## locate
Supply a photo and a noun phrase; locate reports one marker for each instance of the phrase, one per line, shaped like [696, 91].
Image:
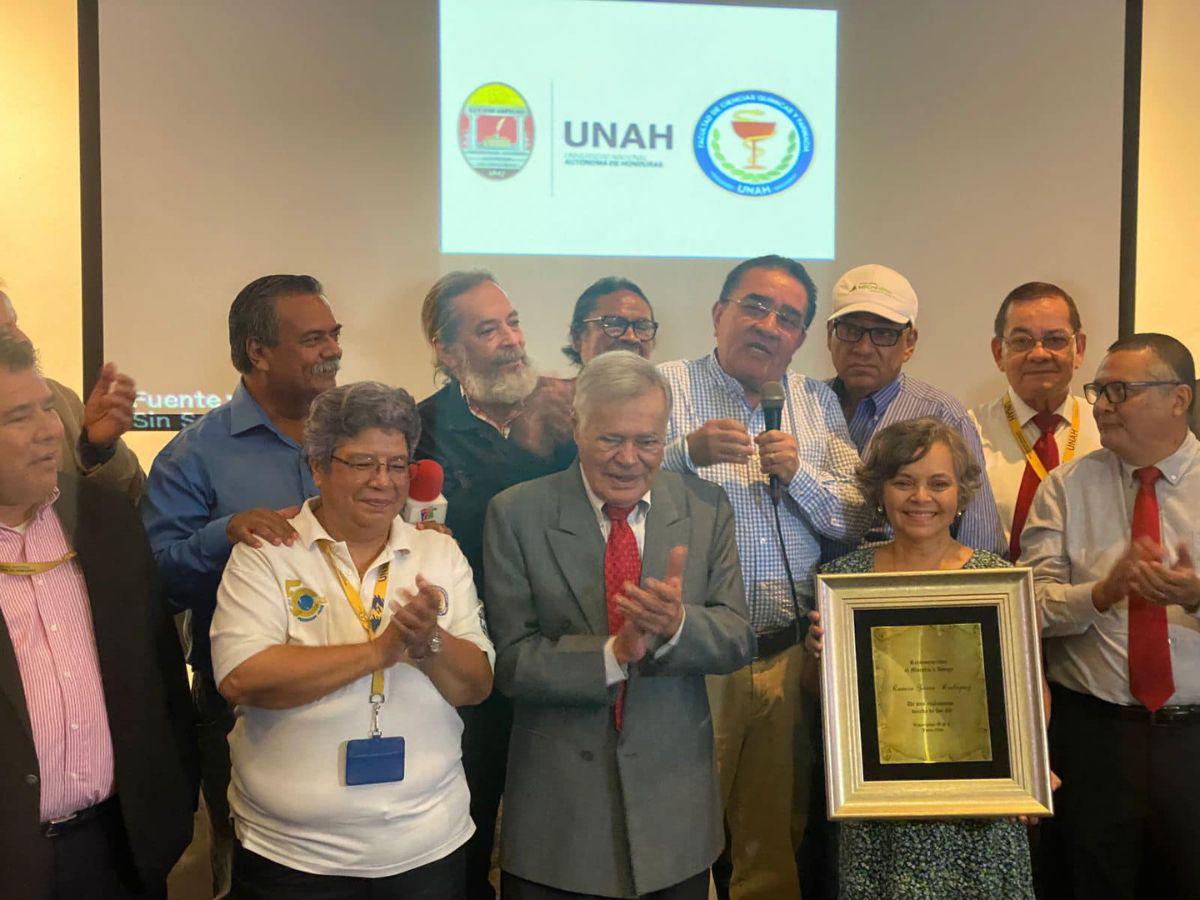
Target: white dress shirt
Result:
[1002, 455]
[1079, 525]
[614, 672]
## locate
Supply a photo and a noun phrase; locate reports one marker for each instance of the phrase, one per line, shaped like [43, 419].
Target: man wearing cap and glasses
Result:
[1037, 423]
[871, 334]
[1112, 539]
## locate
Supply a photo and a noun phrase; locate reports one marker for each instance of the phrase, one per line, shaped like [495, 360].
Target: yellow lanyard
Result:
[33, 568]
[369, 623]
[1023, 442]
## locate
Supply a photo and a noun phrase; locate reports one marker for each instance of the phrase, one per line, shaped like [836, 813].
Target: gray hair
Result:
[906, 442]
[16, 355]
[613, 377]
[253, 314]
[343, 412]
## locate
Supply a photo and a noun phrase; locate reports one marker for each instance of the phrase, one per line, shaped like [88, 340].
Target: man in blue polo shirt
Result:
[229, 478]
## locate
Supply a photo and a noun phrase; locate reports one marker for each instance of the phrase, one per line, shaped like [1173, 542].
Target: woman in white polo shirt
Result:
[346, 653]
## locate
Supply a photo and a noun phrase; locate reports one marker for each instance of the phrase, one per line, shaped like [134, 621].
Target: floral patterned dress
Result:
[931, 860]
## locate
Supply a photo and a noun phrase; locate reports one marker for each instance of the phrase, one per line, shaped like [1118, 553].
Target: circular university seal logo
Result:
[753, 143]
[495, 131]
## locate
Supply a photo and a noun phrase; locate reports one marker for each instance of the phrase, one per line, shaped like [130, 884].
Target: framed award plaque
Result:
[931, 686]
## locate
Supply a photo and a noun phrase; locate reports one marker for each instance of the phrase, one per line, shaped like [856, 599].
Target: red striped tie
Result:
[1150, 678]
[622, 563]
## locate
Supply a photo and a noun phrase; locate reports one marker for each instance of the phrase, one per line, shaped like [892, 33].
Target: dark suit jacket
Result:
[145, 693]
[587, 809]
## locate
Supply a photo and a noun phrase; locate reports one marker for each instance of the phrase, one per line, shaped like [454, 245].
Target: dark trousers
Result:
[92, 862]
[486, 729]
[514, 888]
[214, 721]
[258, 878]
[1127, 817]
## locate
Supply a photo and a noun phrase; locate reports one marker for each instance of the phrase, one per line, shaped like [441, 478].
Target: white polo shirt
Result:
[288, 794]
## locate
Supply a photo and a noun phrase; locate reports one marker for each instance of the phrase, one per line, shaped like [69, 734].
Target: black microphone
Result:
[772, 407]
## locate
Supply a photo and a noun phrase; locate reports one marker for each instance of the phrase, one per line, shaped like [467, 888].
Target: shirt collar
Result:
[731, 384]
[246, 414]
[1173, 467]
[598, 504]
[880, 399]
[311, 530]
[38, 513]
[1025, 412]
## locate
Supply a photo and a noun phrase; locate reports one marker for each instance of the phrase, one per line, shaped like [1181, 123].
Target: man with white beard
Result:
[494, 424]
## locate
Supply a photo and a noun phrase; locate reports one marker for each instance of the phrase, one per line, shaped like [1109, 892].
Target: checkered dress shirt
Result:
[821, 500]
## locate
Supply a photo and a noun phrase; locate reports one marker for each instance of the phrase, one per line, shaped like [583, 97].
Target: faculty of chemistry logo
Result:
[753, 143]
[495, 131]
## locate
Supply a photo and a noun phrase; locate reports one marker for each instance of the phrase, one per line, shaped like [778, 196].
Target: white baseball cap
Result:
[875, 289]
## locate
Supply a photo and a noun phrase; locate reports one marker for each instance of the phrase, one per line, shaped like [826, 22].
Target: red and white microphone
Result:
[425, 501]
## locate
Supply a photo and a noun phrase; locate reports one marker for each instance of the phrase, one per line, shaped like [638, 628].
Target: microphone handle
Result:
[772, 419]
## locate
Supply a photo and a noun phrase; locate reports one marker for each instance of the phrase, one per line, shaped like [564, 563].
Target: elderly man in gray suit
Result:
[612, 590]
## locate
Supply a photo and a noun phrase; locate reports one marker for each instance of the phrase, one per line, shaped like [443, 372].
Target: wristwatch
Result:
[435, 642]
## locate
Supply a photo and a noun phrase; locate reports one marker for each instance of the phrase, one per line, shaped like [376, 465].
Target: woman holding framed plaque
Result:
[920, 475]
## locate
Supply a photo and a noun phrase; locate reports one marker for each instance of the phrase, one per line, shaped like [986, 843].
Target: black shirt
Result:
[479, 463]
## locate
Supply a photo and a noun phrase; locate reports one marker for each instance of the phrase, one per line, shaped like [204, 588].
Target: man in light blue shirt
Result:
[233, 476]
[871, 334]
[761, 319]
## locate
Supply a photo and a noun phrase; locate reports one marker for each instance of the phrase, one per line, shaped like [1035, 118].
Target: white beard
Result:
[507, 388]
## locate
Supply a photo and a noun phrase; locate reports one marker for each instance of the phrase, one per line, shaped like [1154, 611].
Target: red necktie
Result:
[622, 563]
[1150, 678]
[1046, 449]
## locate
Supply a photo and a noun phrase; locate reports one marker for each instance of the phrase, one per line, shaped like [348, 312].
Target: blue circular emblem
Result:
[305, 602]
[753, 143]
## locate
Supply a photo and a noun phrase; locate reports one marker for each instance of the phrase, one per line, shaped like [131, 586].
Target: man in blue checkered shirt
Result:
[871, 334]
[716, 430]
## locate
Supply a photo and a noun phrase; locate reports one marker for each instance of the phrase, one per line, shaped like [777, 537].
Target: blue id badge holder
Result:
[377, 759]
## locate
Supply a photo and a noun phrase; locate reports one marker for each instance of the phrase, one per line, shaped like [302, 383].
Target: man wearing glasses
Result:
[611, 314]
[717, 431]
[1113, 540]
[1036, 423]
[871, 334]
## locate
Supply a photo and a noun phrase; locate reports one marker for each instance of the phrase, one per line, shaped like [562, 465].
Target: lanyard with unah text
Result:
[1023, 442]
[34, 568]
[369, 622]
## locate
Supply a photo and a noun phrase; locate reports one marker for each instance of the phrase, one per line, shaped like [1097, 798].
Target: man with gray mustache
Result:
[234, 476]
[494, 424]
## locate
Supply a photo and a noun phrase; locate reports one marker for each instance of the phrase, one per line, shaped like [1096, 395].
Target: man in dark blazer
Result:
[612, 590]
[97, 771]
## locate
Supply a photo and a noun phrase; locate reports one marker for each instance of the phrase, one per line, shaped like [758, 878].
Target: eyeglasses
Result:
[616, 326]
[1118, 391]
[1051, 343]
[881, 335]
[756, 309]
[396, 468]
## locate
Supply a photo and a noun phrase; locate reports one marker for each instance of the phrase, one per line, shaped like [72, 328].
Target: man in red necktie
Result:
[1113, 539]
[1037, 423]
[613, 588]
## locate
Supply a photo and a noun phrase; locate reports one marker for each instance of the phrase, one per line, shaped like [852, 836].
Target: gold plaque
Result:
[930, 693]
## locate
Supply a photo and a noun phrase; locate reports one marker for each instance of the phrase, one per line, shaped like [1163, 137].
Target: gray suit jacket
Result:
[588, 809]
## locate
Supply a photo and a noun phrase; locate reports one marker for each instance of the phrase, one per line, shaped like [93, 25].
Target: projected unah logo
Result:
[753, 143]
[495, 131]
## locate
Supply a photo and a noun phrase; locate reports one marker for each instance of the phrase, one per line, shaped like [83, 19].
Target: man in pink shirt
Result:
[97, 780]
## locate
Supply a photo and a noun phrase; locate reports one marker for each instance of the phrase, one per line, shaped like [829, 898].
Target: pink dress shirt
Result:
[49, 621]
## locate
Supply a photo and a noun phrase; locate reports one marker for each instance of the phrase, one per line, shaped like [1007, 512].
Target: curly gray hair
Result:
[340, 413]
